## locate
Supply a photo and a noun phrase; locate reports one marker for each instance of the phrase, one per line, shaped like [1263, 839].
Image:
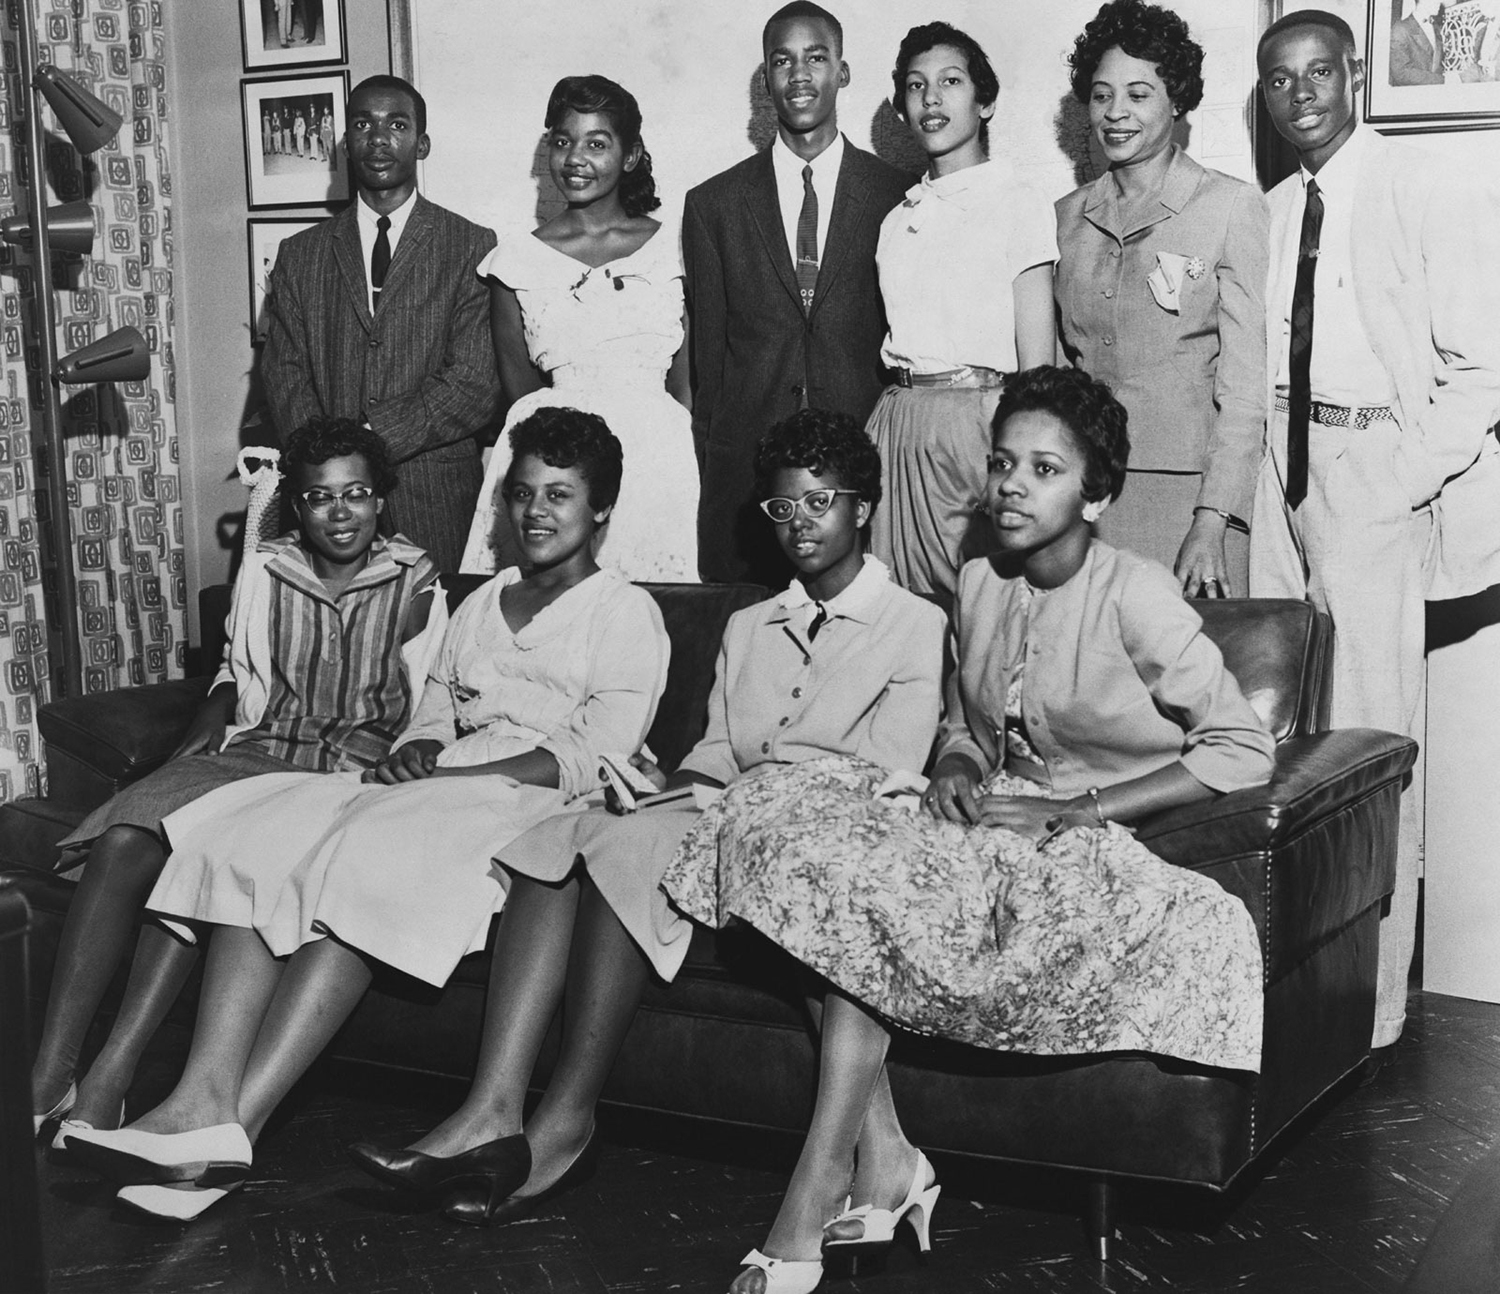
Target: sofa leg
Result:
[1100, 1219]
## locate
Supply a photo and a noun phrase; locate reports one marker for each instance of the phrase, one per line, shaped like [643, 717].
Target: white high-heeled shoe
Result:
[205, 1156]
[58, 1111]
[880, 1224]
[786, 1275]
[174, 1203]
[74, 1126]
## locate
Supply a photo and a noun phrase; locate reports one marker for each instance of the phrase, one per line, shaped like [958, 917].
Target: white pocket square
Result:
[1165, 281]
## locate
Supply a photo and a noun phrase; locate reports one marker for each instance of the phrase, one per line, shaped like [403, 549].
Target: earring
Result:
[1092, 512]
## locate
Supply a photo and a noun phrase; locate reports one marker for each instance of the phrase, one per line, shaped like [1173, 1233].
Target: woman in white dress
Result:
[587, 311]
[537, 677]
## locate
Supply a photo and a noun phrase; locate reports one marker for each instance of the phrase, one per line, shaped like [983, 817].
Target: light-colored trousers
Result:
[1357, 550]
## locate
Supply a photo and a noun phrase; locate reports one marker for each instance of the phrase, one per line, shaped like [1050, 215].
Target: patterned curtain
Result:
[123, 501]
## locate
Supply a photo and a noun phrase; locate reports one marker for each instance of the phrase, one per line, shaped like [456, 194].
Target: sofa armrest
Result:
[1307, 853]
[1314, 776]
[98, 743]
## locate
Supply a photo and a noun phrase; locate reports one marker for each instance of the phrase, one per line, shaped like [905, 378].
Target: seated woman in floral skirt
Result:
[1017, 912]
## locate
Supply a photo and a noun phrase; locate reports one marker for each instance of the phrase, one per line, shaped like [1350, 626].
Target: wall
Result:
[212, 340]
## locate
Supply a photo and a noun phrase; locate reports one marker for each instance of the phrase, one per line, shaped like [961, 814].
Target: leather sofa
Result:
[1311, 854]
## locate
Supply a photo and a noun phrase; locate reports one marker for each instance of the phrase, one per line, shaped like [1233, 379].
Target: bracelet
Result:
[1218, 512]
[1098, 808]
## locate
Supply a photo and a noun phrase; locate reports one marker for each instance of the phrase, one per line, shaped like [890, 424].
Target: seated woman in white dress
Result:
[311, 879]
[1017, 913]
[842, 662]
[587, 311]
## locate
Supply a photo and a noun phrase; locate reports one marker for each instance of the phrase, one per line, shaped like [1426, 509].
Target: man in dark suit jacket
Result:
[412, 357]
[765, 344]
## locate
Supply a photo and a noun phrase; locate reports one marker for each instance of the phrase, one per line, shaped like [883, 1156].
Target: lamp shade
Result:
[70, 228]
[89, 122]
[122, 356]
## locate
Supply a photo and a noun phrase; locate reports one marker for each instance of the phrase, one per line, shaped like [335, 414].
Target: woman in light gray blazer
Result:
[1160, 291]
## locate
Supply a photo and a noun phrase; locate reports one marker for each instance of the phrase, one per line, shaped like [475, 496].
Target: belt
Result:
[971, 375]
[1340, 415]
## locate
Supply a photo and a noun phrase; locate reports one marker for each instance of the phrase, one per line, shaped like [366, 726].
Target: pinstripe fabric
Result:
[421, 370]
[338, 696]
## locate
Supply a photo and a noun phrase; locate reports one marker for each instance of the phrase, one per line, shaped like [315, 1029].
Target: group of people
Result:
[721, 412]
[293, 130]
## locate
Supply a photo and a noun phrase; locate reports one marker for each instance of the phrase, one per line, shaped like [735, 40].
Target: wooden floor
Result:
[1346, 1207]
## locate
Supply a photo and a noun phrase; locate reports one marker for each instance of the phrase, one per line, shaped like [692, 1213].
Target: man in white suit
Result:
[1382, 484]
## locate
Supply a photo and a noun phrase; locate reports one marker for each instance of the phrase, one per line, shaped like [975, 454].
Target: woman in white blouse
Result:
[965, 269]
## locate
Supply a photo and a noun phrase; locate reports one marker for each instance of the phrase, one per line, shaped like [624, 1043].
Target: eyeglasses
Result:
[814, 503]
[356, 496]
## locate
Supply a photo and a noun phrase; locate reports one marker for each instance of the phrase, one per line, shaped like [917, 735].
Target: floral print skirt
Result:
[1090, 945]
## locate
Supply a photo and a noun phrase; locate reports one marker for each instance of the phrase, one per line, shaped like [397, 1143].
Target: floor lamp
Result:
[121, 356]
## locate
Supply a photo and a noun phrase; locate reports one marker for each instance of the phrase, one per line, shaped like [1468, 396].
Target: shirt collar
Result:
[368, 217]
[1342, 168]
[825, 165]
[856, 602]
[963, 187]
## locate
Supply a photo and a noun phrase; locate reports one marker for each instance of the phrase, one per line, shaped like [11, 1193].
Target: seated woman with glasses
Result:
[270, 710]
[1016, 912]
[310, 882]
[843, 663]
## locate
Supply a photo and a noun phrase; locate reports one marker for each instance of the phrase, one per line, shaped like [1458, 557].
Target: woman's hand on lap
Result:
[409, 763]
[952, 793]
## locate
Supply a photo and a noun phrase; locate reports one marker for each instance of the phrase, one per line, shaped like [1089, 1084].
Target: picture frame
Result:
[263, 239]
[266, 45]
[285, 167]
[1432, 66]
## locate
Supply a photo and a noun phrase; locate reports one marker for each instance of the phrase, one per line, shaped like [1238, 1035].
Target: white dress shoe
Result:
[58, 1111]
[174, 1203]
[880, 1224]
[205, 1156]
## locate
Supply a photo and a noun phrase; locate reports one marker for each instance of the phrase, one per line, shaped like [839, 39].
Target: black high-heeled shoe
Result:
[496, 1166]
[486, 1208]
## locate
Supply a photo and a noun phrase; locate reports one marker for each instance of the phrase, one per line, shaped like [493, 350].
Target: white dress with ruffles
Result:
[606, 337]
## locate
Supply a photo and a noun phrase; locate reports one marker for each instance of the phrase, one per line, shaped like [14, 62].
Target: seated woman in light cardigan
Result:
[842, 663]
[1017, 912]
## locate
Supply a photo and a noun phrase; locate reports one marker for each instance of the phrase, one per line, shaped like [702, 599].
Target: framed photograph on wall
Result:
[294, 137]
[292, 33]
[1433, 65]
[264, 238]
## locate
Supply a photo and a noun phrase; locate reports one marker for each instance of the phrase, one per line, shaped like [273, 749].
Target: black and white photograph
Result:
[1433, 66]
[292, 33]
[294, 132]
[264, 238]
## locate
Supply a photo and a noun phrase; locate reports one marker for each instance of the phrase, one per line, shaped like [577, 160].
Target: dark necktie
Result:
[818, 621]
[380, 258]
[807, 240]
[1299, 393]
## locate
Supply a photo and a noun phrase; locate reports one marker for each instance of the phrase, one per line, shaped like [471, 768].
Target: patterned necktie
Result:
[807, 240]
[818, 621]
[1299, 393]
[380, 258]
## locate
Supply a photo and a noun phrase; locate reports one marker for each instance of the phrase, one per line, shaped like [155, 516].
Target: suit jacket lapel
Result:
[411, 250]
[850, 194]
[764, 207]
[350, 259]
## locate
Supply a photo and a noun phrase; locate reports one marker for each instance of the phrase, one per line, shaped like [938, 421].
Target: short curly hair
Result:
[564, 437]
[1088, 408]
[826, 444]
[599, 95]
[320, 439]
[929, 36]
[1150, 33]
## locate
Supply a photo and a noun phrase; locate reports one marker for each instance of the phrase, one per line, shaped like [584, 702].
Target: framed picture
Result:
[1433, 65]
[294, 140]
[292, 33]
[264, 238]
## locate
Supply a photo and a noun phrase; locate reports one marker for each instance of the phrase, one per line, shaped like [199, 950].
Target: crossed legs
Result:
[854, 1147]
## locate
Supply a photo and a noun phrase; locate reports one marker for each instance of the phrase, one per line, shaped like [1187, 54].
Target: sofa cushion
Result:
[1278, 651]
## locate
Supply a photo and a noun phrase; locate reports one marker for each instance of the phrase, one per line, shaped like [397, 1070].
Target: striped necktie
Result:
[380, 258]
